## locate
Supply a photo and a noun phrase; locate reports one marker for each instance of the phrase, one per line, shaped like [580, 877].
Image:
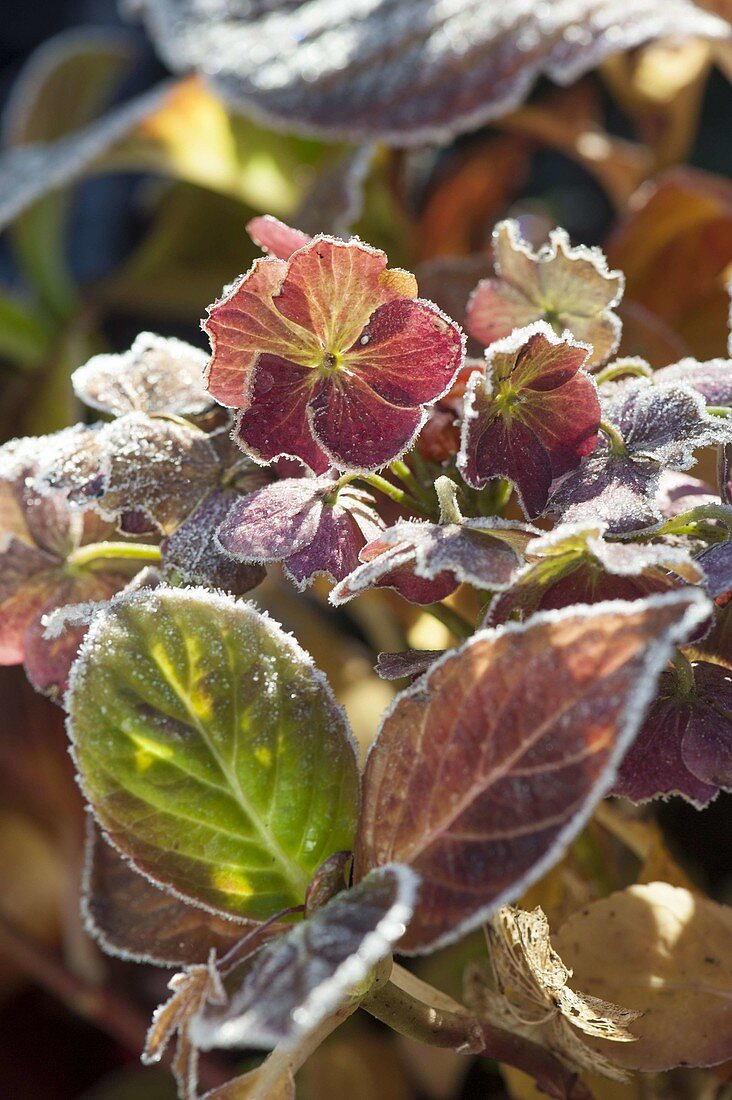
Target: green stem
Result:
[684, 672]
[376, 481]
[719, 410]
[613, 436]
[117, 551]
[400, 470]
[450, 618]
[621, 368]
[678, 525]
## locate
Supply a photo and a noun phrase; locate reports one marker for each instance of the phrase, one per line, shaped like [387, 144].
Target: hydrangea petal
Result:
[393, 567]
[244, 324]
[357, 428]
[276, 421]
[275, 237]
[570, 287]
[194, 556]
[276, 521]
[409, 352]
[333, 287]
[566, 421]
[494, 448]
[713, 379]
[618, 490]
[716, 561]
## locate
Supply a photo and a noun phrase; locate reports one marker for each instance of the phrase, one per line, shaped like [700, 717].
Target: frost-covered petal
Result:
[276, 422]
[409, 352]
[618, 490]
[357, 428]
[244, 324]
[156, 375]
[678, 492]
[276, 521]
[713, 379]
[566, 421]
[716, 561]
[706, 749]
[409, 662]
[667, 422]
[393, 567]
[493, 447]
[275, 237]
[332, 288]
[571, 288]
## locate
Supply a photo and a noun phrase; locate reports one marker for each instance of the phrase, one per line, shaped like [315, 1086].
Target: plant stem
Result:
[713, 511]
[684, 672]
[621, 368]
[118, 551]
[101, 1006]
[412, 1008]
[376, 481]
[613, 436]
[719, 410]
[450, 618]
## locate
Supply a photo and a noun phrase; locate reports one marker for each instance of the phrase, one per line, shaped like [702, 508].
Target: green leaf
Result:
[211, 749]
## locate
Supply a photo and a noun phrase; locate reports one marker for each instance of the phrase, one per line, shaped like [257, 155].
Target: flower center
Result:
[506, 398]
[330, 363]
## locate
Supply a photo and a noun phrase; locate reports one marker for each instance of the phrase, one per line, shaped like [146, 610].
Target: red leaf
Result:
[488, 765]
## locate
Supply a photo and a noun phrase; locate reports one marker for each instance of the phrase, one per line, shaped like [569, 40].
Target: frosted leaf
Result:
[713, 379]
[193, 555]
[156, 375]
[155, 469]
[661, 425]
[284, 991]
[303, 524]
[684, 746]
[411, 662]
[571, 288]
[427, 561]
[678, 492]
[407, 72]
[716, 561]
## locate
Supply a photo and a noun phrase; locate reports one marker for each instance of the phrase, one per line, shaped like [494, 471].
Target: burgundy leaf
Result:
[411, 662]
[132, 918]
[284, 991]
[487, 766]
[685, 744]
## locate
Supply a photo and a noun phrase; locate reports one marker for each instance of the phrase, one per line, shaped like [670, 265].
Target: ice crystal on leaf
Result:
[658, 425]
[41, 533]
[330, 356]
[156, 375]
[532, 417]
[569, 288]
[310, 524]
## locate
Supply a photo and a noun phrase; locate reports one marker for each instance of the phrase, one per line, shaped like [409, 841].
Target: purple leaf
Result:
[716, 561]
[713, 379]
[685, 744]
[284, 991]
[306, 523]
[412, 662]
[410, 72]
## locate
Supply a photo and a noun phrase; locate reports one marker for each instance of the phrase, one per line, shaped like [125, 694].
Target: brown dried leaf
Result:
[667, 953]
[486, 766]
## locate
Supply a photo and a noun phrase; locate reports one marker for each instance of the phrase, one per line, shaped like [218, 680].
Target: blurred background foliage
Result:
[634, 157]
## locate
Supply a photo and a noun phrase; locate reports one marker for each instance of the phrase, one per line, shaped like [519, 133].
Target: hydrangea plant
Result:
[234, 835]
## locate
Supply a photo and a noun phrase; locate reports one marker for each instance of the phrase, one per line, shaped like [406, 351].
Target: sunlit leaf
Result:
[288, 987]
[664, 951]
[485, 767]
[211, 750]
[409, 73]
